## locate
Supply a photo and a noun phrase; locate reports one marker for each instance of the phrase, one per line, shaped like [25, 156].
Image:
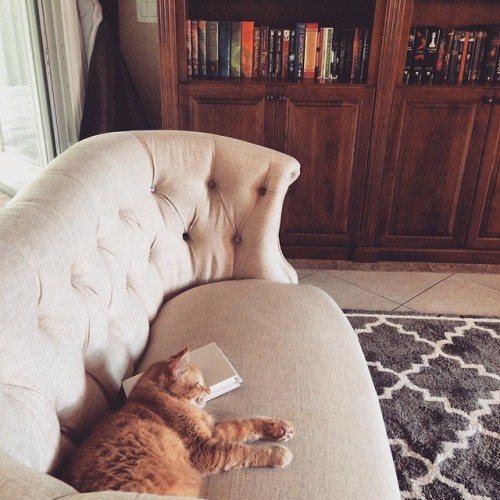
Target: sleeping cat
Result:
[161, 441]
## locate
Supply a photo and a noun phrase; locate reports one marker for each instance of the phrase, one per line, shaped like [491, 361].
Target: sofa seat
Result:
[300, 360]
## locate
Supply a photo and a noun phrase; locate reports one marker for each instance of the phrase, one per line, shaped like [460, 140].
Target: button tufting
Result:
[152, 188]
[185, 236]
[237, 238]
[262, 191]
[211, 184]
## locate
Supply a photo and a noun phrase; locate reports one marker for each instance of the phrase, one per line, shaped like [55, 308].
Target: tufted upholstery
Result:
[115, 226]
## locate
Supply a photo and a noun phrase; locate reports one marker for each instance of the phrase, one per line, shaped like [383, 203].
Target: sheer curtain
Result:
[68, 31]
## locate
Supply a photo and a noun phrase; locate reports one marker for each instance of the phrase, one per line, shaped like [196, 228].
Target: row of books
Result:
[239, 49]
[438, 55]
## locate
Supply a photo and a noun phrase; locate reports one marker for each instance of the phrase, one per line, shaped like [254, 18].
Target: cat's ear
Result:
[178, 364]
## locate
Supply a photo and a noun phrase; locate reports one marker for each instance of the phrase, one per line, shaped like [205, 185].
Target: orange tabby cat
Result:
[162, 442]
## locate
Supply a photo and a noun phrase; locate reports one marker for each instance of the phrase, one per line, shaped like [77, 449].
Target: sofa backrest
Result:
[89, 251]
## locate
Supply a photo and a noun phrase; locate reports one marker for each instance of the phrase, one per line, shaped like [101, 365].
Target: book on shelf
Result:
[212, 48]
[247, 28]
[235, 49]
[310, 46]
[453, 56]
[202, 47]
[218, 373]
[306, 51]
[224, 65]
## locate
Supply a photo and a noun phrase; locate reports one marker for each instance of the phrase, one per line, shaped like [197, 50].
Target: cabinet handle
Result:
[282, 98]
[269, 97]
[487, 100]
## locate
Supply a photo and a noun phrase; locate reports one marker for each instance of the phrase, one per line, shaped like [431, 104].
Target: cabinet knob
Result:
[269, 97]
[282, 98]
[488, 100]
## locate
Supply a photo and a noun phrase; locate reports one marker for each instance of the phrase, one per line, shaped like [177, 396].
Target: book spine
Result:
[418, 59]
[468, 56]
[443, 74]
[491, 55]
[264, 51]
[189, 52]
[212, 48]
[300, 42]
[430, 55]
[286, 54]
[357, 54]
[278, 73]
[334, 71]
[292, 54]
[224, 49]
[438, 68]
[235, 49]
[256, 52]
[202, 47]
[271, 52]
[453, 61]
[327, 54]
[461, 56]
[311, 43]
[247, 48]
[409, 56]
[194, 48]
[365, 57]
[475, 65]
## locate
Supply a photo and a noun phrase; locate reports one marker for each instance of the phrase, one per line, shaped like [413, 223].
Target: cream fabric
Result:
[93, 247]
[300, 360]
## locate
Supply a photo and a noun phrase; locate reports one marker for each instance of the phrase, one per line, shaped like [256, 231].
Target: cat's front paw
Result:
[280, 456]
[278, 430]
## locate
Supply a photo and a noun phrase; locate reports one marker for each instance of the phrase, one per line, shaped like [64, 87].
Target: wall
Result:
[140, 44]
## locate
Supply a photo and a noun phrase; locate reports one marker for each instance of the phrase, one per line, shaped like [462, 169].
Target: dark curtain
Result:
[111, 101]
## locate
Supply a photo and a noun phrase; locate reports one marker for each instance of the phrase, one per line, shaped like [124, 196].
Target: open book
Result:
[217, 371]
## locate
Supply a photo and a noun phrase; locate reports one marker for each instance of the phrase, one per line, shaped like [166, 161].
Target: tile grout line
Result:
[427, 289]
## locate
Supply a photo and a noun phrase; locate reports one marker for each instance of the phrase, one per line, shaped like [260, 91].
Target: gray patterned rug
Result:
[438, 382]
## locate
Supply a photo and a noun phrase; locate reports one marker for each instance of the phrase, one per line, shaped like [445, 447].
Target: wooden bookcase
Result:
[389, 171]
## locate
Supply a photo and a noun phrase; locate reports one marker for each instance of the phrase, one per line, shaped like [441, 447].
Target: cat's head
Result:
[183, 380]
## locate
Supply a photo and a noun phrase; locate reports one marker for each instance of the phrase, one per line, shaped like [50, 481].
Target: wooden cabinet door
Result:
[435, 144]
[485, 223]
[236, 110]
[327, 129]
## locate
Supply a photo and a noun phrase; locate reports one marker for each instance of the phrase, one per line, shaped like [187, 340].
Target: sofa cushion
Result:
[300, 360]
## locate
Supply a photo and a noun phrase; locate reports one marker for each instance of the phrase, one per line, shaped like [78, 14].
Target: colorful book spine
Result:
[194, 48]
[264, 51]
[491, 55]
[300, 44]
[247, 28]
[189, 45]
[256, 52]
[271, 52]
[430, 55]
[286, 54]
[202, 47]
[418, 58]
[212, 48]
[235, 49]
[278, 54]
[311, 44]
[292, 54]
[365, 57]
[224, 49]
[357, 54]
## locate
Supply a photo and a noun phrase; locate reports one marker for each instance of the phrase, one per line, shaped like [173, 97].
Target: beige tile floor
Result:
[465, 289]
[420, 287]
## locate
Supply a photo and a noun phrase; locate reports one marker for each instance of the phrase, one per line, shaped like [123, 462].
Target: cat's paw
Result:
[278, 430]
[280, 456]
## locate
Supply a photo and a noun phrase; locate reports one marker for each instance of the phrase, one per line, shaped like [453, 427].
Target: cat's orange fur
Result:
[162, 441]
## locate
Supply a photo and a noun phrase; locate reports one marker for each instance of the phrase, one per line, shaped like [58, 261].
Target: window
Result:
[26, 139]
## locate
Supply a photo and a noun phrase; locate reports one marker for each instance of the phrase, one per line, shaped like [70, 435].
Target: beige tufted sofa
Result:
[131, 246]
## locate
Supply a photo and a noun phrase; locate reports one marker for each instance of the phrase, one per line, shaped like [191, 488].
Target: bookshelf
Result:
[389, 171]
